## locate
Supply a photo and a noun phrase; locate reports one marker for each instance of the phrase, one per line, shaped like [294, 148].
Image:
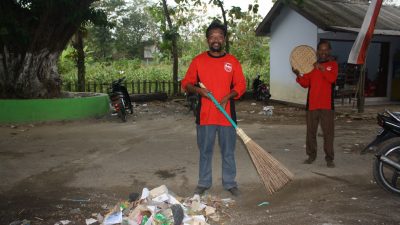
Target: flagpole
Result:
[361, 90]
[359, 50]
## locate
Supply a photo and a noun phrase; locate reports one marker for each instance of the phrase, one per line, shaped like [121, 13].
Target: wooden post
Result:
[361, 91]
[150, 83]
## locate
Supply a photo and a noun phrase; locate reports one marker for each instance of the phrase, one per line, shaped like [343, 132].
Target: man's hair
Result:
[216, 24]
[321, 42]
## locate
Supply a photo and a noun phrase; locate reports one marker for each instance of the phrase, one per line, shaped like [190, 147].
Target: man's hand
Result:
[202, 91]
[319, 67]
[224, 101]
[296, 71]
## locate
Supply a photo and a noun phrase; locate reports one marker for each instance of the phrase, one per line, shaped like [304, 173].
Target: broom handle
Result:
[216, 103]
[239, 131]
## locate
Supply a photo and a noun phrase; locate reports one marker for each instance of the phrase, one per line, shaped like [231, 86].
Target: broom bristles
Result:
[273, 174]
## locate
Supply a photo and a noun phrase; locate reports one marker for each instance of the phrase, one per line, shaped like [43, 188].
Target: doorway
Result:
[377, 65]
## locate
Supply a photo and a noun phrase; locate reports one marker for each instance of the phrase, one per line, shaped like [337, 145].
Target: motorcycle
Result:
[260, 90]
[388, 122]
[263, 93]
[386, 167]
[193, 102]
[120, 100]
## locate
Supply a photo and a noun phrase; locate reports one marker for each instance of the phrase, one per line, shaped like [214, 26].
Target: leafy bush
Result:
[136, 70]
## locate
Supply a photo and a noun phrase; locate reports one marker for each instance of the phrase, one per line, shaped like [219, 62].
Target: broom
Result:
[273, 174]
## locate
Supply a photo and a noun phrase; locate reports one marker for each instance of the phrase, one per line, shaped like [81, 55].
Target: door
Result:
[396, 78]
[383, 70]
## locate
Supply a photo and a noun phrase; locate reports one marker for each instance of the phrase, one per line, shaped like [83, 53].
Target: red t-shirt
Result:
[220, 75]
[320, 86]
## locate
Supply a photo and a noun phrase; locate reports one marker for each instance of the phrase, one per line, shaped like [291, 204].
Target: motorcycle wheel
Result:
[385, 175]
[122, 110]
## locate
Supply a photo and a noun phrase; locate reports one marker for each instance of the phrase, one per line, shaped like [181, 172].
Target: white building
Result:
[289, 25]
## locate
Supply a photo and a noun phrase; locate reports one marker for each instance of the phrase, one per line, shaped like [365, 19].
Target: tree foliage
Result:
[188, 26]
[129, 26]
[32, 35]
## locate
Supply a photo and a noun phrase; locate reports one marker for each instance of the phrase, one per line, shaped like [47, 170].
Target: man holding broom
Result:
[320, 107]
[222, 74]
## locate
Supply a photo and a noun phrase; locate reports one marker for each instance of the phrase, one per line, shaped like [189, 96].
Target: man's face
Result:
[216, 40]
[323, 52]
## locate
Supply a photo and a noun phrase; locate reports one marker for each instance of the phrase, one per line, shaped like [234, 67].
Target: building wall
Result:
[289, 30]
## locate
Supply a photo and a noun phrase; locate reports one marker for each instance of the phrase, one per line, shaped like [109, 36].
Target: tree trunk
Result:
[175, 65]
[33, 75]
[174, 48]
[221, 5]
[80, 59]
[29, 54]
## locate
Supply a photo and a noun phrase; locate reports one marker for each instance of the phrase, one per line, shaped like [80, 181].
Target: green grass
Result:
[134, 70]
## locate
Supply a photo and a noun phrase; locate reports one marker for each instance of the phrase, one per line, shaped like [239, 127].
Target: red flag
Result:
[360, 46]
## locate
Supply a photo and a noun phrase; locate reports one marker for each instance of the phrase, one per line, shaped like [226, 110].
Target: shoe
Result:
[234, 191]
[330, 164]
[309, 161]
[200, 190]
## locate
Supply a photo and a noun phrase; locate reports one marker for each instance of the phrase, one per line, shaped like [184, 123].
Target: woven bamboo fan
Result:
[303, 58]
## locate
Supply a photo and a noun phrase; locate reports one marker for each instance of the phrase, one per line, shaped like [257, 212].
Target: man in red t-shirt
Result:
[320, 107]
[222, 74]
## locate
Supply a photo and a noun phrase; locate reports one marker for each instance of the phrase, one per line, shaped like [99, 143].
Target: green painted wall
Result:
[35, 110]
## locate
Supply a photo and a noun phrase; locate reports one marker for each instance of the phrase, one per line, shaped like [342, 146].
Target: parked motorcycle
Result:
[388, 122]
[260, 90]
[120, 99]
[193, 102]
[386, 167]
[263, 93]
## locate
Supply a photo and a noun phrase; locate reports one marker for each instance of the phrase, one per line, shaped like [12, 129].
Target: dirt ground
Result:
[69, 170]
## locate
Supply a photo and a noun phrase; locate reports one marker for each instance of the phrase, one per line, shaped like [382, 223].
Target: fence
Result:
[134, 87]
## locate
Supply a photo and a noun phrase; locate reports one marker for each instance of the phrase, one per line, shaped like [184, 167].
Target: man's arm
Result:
[193, 89]
[331, 74]
[303, 80]
[225, 99]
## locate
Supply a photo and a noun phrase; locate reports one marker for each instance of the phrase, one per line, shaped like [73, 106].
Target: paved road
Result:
[45, 167]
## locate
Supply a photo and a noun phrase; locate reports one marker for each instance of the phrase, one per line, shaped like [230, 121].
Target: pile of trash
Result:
[267, 110]
[161, 207]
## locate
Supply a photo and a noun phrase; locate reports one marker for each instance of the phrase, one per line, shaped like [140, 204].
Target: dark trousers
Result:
[326, 119]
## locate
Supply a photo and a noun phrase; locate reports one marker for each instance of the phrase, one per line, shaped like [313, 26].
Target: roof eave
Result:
[356, 30]
[264, 28]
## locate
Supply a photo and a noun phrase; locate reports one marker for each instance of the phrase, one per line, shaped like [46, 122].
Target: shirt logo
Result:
[329, 68]
[228, 67]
